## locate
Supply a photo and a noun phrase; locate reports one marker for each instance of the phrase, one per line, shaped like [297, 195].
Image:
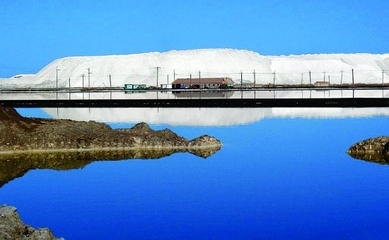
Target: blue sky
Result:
[36, 32]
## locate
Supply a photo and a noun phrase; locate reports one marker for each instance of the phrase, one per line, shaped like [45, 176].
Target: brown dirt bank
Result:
[20, 134]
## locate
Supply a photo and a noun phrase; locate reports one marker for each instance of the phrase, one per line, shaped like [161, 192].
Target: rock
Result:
[372, 149]
[12, 227]
[204, 141]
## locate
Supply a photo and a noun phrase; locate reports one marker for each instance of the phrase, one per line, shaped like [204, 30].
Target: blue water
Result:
[273, 179]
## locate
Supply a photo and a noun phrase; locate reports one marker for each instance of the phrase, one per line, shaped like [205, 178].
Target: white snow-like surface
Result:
[209, 116]
[142, 68]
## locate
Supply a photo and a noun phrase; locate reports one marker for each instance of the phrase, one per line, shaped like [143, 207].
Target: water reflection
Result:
[371, 157]
[16, 165]
[202, 94]
[207, 116]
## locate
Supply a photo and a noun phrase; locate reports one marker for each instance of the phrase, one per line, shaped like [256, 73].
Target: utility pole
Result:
[83, 78]
[302, 78]
[241, 80]
[69, 83]
[199, 80]
[110, 82]
[56, 77]
[352, 75]
[274, 78]
[254, 78]
[89, 73]
[310, 78]
[383, 76]
[341, 77]
[157, 74]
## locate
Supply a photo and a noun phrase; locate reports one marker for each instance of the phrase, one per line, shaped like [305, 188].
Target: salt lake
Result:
[281, 174]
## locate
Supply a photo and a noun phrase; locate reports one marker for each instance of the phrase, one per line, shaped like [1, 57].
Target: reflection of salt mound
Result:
[171, 116]
[208, 116]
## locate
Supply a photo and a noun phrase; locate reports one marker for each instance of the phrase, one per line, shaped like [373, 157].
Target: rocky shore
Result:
[372, 150]
[20, 134]
[12, 227]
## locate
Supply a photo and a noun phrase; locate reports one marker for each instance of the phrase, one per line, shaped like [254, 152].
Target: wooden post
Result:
[241, 80]
[89, 73]
[352, 77]
[83, 78]
[302, 77]
[157, 75]
[199, 80]
[383, 76]
[254, 78]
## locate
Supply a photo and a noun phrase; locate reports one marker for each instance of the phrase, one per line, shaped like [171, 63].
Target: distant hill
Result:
[237, 64]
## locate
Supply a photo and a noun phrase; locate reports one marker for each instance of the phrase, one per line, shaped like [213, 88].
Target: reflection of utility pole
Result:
[157, 74]
[56, 77]
[89, 73]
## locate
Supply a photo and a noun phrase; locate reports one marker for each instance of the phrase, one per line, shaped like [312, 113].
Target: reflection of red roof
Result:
[203, 81]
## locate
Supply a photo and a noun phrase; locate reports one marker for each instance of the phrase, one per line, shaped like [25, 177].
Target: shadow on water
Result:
[16, 165]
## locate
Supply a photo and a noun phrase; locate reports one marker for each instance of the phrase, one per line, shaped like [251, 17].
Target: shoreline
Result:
[107, 149]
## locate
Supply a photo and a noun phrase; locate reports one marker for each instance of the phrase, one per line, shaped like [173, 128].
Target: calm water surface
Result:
[285, 178]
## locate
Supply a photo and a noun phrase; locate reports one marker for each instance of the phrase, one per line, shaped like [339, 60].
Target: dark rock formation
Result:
[12, 227]
[21, 134]
[372, 150]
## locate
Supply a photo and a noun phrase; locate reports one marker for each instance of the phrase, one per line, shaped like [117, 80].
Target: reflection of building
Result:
[202, 83]
[203, 94]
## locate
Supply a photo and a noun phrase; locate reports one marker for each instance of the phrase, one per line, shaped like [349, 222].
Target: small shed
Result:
[181, 83]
